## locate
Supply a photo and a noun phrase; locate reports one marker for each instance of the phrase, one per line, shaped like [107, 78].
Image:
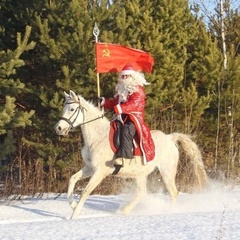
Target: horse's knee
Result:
[73, 204]
[73, 179]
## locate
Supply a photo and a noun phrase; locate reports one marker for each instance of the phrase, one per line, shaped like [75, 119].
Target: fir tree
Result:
[13, 114]
[169, 39]
[202, 72]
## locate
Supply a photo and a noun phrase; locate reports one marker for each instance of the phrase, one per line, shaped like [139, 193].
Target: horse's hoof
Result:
[125, 211]
[73, 217]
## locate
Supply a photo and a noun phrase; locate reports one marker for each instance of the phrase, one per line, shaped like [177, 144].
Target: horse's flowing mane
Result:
[95, 117]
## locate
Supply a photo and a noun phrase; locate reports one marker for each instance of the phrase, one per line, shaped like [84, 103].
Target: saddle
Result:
[114, 139]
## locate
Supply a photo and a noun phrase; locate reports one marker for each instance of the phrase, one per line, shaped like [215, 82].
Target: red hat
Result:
[127, 69]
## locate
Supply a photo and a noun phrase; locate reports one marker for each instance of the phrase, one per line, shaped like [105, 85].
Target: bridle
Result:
[70, 121]
[78, 110]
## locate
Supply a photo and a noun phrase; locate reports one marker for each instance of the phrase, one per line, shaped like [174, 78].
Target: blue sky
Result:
[207, 6]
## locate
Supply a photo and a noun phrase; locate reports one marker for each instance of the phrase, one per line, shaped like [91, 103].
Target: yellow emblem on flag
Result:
[106, 52]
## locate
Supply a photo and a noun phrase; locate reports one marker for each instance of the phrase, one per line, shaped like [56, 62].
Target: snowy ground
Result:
[207, 216]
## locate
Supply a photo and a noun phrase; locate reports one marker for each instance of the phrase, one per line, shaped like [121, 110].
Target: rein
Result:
[92, 120]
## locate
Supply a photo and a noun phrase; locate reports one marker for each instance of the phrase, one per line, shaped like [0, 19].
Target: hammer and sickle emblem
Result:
[106, 52]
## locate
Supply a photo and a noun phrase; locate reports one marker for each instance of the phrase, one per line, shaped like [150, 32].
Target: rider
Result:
[128, 105]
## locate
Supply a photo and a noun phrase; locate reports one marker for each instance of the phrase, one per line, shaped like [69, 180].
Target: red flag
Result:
[112, 58]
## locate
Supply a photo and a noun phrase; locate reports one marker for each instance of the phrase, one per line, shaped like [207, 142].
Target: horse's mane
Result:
[94, 111]
[92, 107]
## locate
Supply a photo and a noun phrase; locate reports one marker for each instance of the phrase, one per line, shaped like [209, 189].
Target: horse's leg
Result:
[96, 178]
[171, 187]
[83, 173]
[168, 176]
[141, 183]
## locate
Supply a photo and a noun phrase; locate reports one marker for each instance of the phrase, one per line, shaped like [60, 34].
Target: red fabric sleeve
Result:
[110, 103]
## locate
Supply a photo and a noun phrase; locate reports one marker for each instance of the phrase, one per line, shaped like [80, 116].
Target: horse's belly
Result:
[135, 167]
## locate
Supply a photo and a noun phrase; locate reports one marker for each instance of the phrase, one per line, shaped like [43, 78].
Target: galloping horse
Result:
[98, 155]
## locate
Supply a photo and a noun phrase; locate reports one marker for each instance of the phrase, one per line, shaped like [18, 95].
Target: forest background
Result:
[47, 47]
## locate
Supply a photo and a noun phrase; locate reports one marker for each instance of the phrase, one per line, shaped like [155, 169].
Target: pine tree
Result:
[224, 104]
[168, 42]
[13, 113]
[66, 35]
[203, 69]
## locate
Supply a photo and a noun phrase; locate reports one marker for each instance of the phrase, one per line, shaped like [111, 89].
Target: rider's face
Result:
[125, 76]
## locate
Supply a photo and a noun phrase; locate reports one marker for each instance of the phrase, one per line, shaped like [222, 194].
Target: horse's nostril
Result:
[57, 128]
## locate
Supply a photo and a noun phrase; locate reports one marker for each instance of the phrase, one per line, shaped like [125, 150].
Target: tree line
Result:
[47, 47]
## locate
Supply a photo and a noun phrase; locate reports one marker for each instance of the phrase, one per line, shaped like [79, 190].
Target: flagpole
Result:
[96, 33]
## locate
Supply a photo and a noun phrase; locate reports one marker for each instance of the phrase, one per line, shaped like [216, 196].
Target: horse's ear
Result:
[66, 95]
[73, 95]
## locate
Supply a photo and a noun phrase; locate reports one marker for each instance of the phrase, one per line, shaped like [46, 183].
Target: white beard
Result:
[125, 87]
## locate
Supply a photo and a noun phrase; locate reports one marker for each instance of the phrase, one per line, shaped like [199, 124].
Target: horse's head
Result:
[72, 114]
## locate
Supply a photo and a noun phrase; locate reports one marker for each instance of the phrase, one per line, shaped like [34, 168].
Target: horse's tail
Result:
[193, 153]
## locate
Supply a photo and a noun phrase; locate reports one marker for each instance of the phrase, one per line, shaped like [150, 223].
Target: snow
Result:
[212, 214]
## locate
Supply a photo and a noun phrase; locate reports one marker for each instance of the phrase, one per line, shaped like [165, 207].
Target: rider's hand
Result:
[101, 100]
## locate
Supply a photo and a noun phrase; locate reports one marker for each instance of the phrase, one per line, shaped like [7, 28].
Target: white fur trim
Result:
[119, 109]
[127, 72]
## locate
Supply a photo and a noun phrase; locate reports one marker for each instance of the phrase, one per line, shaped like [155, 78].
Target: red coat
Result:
[134, 107]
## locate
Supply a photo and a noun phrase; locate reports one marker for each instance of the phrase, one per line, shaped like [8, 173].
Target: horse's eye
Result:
[72, 109]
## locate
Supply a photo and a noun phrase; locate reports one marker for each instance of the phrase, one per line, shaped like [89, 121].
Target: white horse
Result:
[98, 155]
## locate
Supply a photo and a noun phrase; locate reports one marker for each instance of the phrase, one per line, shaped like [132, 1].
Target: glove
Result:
[101, 100]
